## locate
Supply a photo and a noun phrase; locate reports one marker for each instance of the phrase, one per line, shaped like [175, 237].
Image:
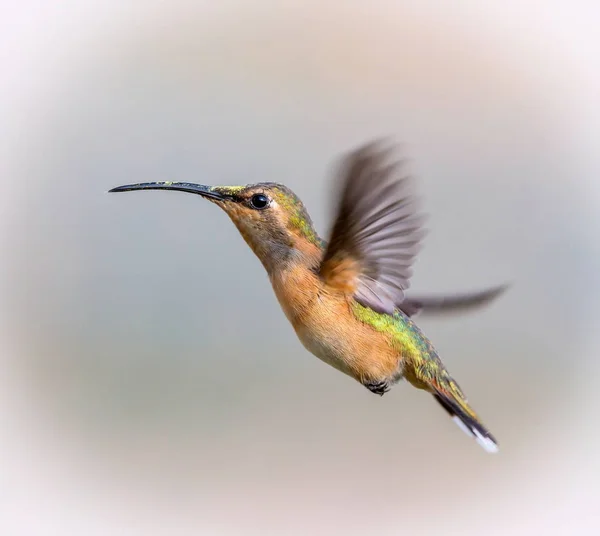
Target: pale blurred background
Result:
[151, 384]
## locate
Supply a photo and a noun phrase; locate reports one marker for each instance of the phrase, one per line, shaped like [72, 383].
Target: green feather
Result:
[298, 215]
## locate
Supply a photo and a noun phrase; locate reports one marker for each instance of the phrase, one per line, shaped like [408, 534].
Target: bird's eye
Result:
[259, 201]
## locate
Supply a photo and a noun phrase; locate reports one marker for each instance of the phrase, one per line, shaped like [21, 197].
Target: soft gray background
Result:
[152, 383]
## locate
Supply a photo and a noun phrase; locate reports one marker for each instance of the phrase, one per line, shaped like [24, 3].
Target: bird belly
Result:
[327, 328]
[347, 345]
[323, 349]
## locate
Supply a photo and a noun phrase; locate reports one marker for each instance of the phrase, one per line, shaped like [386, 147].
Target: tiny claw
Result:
[379, 388]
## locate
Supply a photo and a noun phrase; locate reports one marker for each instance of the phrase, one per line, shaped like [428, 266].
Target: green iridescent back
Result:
[410, 340]
[402, 329]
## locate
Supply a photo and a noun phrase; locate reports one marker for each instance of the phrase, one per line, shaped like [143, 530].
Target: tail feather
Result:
[469, 424]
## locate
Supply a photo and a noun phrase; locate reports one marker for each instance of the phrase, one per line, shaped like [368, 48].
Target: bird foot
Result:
[379, 388]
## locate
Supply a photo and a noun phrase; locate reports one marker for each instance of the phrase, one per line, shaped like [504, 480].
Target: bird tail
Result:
[467, 421]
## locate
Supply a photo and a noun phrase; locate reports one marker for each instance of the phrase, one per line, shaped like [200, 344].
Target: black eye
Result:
[259, 201]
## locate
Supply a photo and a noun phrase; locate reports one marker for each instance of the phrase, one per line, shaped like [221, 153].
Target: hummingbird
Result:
[346, 299]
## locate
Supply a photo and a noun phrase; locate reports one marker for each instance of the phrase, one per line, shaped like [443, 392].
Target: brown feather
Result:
[341, 273]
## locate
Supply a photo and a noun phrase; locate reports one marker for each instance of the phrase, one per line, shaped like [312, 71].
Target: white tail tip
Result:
[486, 443]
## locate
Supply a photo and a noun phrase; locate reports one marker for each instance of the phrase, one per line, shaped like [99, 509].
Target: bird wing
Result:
[377, 230]
[455, 303]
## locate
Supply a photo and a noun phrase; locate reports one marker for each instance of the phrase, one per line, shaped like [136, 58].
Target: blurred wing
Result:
[376, 233]
[456, 303]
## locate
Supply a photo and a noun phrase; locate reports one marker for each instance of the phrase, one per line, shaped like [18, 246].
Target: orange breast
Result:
[326, 326]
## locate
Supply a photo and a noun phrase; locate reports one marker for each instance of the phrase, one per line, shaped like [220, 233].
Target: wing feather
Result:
[377, 225]
[450, 303]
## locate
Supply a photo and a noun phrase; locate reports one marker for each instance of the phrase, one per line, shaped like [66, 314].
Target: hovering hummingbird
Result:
[346, 299]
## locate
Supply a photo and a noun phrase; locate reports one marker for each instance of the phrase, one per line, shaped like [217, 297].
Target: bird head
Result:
[269, 216]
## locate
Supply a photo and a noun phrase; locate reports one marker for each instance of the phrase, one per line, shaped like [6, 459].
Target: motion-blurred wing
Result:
[376, 233]
[456, 303]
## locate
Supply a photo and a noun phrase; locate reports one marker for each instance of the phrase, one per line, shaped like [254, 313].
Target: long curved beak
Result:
[199, 189]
